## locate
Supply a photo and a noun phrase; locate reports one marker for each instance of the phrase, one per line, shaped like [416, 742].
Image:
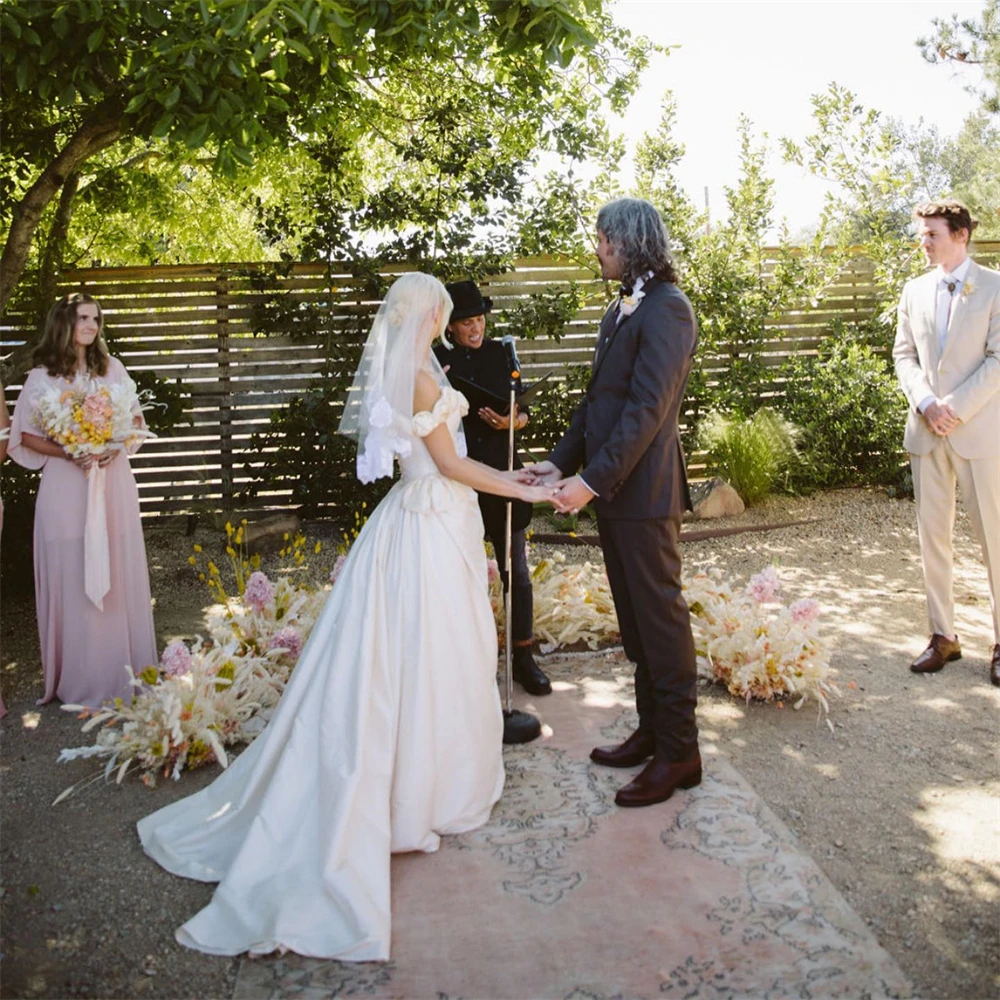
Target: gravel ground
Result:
[899, 804]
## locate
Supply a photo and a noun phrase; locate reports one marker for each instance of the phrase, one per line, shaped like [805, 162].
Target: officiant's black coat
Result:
[487, 366]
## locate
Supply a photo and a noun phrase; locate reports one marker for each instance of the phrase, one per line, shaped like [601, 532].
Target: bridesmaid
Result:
[84, 649]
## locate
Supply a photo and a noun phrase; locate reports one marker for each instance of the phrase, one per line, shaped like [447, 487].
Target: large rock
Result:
[268, 535]
[716, 498]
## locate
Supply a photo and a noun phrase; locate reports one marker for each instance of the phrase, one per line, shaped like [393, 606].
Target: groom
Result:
[623, 439]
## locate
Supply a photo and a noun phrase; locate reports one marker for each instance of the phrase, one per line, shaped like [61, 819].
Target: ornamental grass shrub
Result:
[753, 454]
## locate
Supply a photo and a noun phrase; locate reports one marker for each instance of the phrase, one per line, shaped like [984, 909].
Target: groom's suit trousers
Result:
[644, 569]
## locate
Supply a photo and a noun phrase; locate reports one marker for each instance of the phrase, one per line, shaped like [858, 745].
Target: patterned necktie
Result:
[944, 309]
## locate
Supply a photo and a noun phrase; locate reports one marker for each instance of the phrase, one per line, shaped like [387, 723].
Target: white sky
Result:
[766, 58]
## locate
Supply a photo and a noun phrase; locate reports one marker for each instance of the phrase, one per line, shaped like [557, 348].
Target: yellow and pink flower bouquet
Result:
[89, 418]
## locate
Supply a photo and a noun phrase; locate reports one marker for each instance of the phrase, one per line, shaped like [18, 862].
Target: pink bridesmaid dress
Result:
[85, 649]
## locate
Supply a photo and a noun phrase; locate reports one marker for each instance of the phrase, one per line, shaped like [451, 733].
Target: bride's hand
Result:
[537, 494]
[517, 476]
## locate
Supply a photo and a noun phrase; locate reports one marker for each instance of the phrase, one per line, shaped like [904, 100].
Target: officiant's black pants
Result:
[644, 570]
[522, 600]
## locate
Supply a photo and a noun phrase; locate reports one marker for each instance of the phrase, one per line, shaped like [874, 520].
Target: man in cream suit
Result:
[947, 356]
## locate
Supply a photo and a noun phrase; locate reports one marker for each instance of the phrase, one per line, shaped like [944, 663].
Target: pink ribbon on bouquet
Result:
[96, 557]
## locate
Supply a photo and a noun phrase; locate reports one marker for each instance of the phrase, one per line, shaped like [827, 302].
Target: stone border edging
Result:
[558, 538]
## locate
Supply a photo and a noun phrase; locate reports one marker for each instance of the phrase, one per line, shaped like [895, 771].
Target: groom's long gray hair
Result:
[635, 229]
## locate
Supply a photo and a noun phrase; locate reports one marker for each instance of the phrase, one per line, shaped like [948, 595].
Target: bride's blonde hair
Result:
[378, 408]
[417, 292]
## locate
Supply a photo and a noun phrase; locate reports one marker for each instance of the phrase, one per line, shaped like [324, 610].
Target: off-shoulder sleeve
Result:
[25, 421]
[450, 401]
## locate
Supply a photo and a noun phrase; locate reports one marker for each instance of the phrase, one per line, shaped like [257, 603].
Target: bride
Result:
[389, 732]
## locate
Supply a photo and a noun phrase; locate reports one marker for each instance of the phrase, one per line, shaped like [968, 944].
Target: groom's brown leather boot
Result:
[633, 751]
[659, 779]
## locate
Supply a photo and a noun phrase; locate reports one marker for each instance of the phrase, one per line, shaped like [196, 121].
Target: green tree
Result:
[963, 167]
[970, 160]
[235, 78]
[968, 42]
[859, 152]
[739, 289]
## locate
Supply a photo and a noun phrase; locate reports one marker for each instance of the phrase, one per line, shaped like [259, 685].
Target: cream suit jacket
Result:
[966, 374]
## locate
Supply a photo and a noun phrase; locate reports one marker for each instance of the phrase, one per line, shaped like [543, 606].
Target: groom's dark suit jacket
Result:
[623, 438]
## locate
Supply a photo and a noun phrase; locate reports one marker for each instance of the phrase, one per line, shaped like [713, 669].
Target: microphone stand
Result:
[518, 726]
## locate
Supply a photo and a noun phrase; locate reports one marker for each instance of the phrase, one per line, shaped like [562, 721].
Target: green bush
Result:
[551, 414]
[851, 413]
[302, 451]
[18, 486]
[753, 454]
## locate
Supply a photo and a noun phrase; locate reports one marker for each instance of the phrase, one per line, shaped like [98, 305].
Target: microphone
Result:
[511, 351]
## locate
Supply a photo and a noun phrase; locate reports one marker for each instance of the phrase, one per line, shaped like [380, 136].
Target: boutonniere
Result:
[630, 302]
[968, 289]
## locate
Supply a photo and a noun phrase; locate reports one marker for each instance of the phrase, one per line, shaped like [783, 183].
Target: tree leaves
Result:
[234, 78]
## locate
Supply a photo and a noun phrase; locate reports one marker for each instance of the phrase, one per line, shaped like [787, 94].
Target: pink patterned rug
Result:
[564, 895]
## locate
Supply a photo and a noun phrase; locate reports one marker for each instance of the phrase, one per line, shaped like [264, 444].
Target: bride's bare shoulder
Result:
[425, 392]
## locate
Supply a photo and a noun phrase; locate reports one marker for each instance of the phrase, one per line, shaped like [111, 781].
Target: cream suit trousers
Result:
[934, 476]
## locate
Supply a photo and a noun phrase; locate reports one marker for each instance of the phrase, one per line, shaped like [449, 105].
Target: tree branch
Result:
[52, 258]
[88, 140]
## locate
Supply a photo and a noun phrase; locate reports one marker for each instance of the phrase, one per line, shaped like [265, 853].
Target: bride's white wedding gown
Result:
[388, 735]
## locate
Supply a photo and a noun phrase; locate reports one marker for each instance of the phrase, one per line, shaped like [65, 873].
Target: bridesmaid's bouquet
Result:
[89, 418]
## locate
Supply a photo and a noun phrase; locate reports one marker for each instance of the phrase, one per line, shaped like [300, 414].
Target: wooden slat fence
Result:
[199, 326]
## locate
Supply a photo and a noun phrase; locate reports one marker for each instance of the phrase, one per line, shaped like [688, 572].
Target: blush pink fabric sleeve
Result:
[24, 421]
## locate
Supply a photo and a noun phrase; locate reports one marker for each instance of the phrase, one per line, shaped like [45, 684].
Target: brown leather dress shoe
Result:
[995, 666]
[938, 652]
[657, 781]
[633, 751]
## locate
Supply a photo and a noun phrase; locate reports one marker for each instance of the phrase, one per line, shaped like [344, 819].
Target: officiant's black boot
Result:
[527, 673]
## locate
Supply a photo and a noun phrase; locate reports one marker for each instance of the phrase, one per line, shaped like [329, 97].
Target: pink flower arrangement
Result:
[753, 644]
[337, 567]
[287, 639]
[764, 586]
[97, 411]
[805, 611]
[258, 593]
[176, 659]
[492, 572]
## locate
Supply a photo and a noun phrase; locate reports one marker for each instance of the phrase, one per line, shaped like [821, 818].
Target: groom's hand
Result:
[544, 472]
[941, 417]
[572, 494]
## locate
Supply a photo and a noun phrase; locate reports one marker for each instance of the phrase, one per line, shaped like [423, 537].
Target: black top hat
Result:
[467, 300]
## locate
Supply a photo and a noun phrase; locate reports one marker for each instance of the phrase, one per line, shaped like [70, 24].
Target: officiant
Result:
[475, 357]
